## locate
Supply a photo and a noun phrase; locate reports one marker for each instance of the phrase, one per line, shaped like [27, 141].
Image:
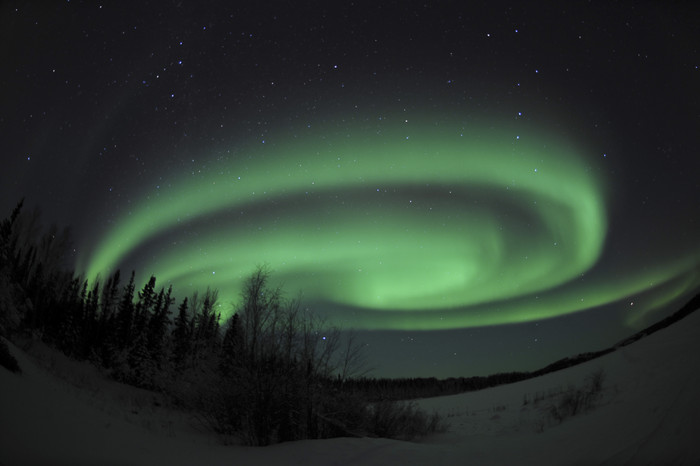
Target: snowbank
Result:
[648, 413]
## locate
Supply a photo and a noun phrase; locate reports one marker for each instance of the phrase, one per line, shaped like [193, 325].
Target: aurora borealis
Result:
[456, 196]
[388, 222]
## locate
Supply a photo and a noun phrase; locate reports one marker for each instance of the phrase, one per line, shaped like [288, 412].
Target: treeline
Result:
[130, 334]
[426, 387]
[413, 388]
[271, 373]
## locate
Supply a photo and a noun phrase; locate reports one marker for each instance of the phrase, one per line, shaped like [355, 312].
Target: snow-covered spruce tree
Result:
[59, 328]
[89, 324]
[145, 362]
[125, 316]
[144, 305]
[181, 337]
[206, 323]
[158, 326]
[197, 344]
[140, 368]
[231, 346]
[106, 326]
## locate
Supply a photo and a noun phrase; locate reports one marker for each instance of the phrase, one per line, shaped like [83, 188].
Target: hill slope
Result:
[648, 412]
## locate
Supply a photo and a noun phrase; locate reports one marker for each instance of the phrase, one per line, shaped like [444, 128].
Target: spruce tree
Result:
[106, 329]
[147, 295]
[144, 307]
[158, 325]
[110, 295]
[125, 315]
[90, 322]
[232, 346]
[181, 336]
[141, 367]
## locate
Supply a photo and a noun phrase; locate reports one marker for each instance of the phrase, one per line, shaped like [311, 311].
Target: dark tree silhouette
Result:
[232, 347]
[158, 326]
[125, 315]
[181, 337]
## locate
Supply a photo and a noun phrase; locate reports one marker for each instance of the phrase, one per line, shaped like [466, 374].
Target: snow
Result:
[648, 413]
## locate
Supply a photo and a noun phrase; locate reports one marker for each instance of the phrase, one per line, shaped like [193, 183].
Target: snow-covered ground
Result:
[648, 413]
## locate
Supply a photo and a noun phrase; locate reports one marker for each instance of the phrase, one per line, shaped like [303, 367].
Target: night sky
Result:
[475, 188]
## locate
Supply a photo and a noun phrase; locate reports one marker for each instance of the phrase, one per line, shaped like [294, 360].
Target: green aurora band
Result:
[391, 226]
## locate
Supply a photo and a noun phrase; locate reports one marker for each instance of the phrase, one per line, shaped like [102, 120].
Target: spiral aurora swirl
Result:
[387, 226]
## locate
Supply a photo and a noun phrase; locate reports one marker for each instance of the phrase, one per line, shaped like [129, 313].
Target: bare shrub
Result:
[280, 375]
[402, 420]
[575, 400]
[277, 365]
[595, 381]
